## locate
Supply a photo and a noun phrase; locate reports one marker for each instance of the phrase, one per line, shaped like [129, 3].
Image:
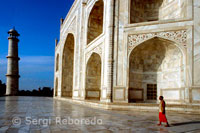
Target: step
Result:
[180, 108]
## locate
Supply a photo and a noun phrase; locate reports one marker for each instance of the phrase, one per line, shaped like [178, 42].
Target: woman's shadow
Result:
[184, 123]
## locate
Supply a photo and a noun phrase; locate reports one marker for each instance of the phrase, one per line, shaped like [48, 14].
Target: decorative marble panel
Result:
[195, 94]
[179, 37]
[97, 50]
[171, 94]
[93, 94]
[119, 94]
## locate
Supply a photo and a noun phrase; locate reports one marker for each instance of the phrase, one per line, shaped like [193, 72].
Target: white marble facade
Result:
[130, 51]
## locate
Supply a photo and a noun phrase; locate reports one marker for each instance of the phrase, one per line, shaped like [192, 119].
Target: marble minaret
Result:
[13, 63]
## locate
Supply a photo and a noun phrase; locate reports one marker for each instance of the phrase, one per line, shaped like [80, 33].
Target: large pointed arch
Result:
[57, 62]
[154, 65]
[68, 66]
[95, 21]
[56, 88]
[93, 77]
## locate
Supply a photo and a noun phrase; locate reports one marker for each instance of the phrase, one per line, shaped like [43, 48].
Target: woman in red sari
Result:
[162, 116]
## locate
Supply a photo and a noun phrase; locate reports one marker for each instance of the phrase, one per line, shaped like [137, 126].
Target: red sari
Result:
[162, 116]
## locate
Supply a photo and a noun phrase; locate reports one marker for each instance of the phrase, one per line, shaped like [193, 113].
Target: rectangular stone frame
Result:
[116, 90]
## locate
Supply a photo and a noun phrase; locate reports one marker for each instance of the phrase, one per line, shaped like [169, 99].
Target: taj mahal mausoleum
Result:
[130, 51]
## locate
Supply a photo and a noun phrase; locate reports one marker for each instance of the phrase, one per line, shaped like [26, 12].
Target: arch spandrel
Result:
[97, 50]
[69, 29]
[179, 37]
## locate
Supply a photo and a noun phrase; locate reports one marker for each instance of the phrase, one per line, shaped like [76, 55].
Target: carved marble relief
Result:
[180, 37]
[97, 49]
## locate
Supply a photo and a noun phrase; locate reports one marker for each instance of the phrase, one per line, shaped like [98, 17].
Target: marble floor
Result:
[40, 114]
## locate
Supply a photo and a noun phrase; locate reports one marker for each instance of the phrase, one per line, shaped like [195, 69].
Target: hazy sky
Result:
[38, 23]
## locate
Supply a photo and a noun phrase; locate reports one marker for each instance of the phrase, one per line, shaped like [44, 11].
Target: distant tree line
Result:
[45, 91]
[2, 88]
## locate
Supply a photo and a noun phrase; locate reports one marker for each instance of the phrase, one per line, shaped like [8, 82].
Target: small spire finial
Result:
[56, 41]
[61, 20]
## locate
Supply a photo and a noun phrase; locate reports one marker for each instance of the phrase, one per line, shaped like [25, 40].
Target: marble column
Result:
[109, 48]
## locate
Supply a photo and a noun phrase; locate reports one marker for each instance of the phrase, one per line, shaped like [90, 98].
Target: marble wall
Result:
[173, 9]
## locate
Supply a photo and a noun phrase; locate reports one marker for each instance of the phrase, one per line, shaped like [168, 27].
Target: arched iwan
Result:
[57, 62]
[68, 66]
[95, 21]
[155, 65]
[93, 77]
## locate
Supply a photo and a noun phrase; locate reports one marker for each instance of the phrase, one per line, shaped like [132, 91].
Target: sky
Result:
[38, 23]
